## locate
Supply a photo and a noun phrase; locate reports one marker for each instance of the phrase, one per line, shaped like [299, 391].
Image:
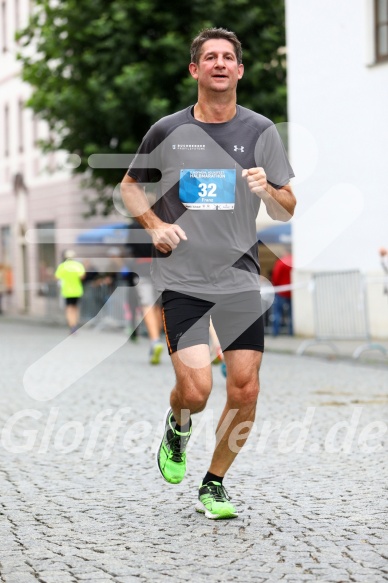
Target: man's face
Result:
[217, 69]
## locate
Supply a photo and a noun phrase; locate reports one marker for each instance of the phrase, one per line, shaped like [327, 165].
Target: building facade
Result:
[36, 191]
[338, 126]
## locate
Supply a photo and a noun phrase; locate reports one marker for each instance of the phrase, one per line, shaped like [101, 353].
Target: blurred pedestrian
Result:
[384, 264]
[216, 354]
[70, 273]
[114, 268]
[6, 283]
[3, 287]
[282, 305]
[92, 297]
[91, 273]
[151, 308]
[120, 277]
[148, 297]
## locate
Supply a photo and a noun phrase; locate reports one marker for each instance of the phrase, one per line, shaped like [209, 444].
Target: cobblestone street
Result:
[83, 501]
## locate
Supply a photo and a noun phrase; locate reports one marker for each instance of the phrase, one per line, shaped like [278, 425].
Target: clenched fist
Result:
[256, 178]
[166, 237]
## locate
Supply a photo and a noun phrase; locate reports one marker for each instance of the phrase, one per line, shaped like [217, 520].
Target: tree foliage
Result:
[103, 71]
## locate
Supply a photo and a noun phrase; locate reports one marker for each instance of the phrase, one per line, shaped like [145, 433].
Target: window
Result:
[21, 125]
[381, 30]
[4, 26]
[17, 15]
[6, 131]
[46, 259]
[35, 131]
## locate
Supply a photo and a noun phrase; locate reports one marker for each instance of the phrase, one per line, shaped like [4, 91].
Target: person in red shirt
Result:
[281, 276]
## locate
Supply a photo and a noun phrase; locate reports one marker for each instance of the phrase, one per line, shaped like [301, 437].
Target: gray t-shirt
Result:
[196, 168]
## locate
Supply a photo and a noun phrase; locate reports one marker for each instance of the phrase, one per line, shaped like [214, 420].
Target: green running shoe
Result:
[155, 352]
[214, 502]
[171, 456]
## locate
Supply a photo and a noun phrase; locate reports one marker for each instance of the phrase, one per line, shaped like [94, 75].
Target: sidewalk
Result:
[83, 502]
[282, 344]
[336, 349]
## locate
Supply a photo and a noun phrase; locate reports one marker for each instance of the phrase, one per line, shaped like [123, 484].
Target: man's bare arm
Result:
[165, 236]
[280, 203]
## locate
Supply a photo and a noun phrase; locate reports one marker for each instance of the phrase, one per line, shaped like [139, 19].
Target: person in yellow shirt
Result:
[71, 273]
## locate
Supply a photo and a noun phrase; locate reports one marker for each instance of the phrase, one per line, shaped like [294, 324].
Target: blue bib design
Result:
[208, 189]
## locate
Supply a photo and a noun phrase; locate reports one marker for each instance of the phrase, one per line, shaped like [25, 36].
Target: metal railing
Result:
[108, 306]
[340, 311]
[103, 305]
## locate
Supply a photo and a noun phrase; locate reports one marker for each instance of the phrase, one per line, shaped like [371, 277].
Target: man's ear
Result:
[240, 71]
[193, 68]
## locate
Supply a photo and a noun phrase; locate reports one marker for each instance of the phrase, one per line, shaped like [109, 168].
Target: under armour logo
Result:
[236, 148]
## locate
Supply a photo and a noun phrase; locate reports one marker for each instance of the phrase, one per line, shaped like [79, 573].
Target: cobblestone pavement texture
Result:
[82, 500]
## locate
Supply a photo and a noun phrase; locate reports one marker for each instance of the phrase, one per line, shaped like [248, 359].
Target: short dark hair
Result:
[210, 33]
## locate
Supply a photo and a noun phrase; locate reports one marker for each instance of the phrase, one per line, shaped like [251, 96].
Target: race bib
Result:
[208, 189]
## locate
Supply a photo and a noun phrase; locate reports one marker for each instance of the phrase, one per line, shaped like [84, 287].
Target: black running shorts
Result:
[237, 319]
[72, 301]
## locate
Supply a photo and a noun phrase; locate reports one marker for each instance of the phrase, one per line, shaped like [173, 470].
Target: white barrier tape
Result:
[310, 284]
[289, 287]
[279, 288]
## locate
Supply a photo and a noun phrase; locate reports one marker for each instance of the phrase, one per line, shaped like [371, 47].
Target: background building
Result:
[338, 114]
[36, 190]
[338, 90]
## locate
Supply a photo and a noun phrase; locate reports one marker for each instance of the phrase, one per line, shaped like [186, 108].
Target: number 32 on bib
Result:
[207, 189]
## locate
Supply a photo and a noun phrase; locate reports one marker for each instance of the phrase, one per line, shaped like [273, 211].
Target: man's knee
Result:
[244, 394]
[194, 394]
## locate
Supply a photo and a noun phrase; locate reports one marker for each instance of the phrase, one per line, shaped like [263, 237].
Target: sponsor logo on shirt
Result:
[190, 147]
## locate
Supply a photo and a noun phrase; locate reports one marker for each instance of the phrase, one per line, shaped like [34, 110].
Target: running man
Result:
[214, 163]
